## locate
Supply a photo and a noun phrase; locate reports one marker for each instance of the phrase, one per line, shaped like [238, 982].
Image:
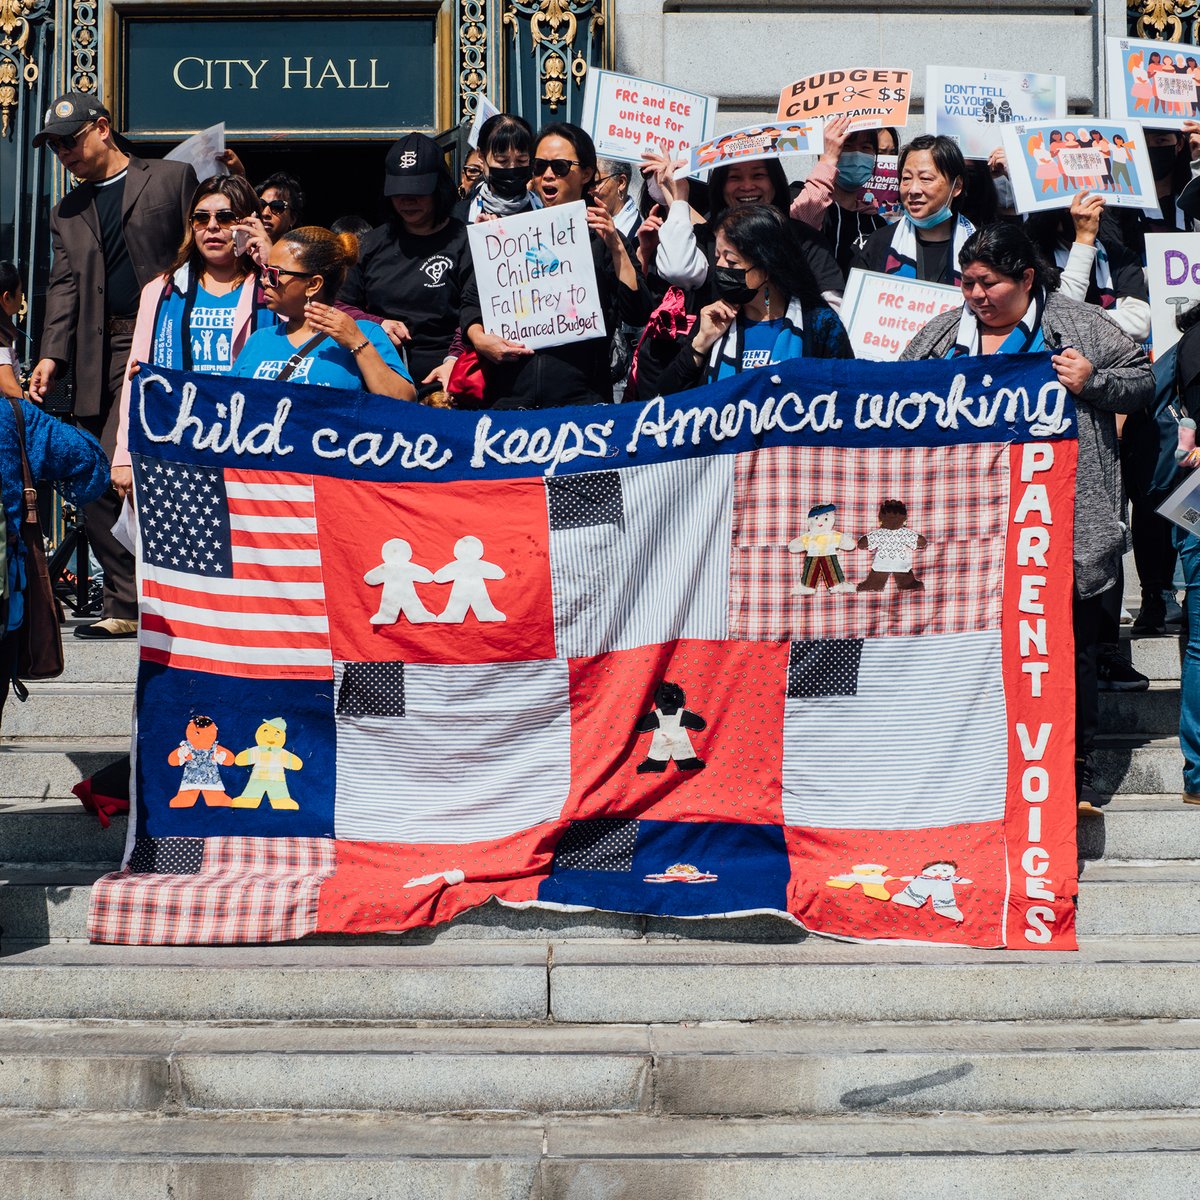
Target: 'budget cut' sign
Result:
[873, 96]
[626, 116]
[883, 313]
[536, 277]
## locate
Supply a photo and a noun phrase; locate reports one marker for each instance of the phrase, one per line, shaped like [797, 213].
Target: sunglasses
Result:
[276, 206]
[68, 140]
[560, 166]
[224, 217]
[270, 276]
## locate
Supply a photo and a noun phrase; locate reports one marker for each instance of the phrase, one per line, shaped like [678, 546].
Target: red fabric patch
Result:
[508, 517]
[737, 687]
[848, 908]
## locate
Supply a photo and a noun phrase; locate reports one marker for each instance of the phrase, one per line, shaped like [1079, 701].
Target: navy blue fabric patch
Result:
[168, 699]
[827, 667]
[166, 856]
[184, 516]
[591, 499]
[371, 689]
[684, 869]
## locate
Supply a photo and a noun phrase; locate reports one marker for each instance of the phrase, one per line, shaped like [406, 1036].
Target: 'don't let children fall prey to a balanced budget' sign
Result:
[536, 277]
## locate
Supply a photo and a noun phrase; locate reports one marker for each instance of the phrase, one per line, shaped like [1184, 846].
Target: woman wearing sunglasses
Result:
[198, 315]
[316, 343]
[564, 170]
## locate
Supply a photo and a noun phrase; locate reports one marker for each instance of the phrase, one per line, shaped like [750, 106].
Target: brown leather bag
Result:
[39, 644]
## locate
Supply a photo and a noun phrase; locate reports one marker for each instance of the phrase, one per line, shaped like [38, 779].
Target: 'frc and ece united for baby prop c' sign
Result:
[536, 277]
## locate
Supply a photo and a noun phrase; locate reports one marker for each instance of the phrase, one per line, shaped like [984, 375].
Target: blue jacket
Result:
[57, 452]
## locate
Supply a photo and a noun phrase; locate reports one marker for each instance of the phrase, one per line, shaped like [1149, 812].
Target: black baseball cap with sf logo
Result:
[412, 166]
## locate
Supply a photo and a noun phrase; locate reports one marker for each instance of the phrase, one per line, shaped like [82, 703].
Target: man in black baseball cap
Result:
[68, 115]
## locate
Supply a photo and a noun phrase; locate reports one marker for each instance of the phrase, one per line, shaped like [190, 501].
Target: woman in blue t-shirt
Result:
[198, 314]
[769, 309]
[317, 343]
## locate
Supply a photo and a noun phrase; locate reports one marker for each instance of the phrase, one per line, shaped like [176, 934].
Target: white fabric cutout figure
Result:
[452, 876]
[469, 573]
[397, 573]
[935, 883]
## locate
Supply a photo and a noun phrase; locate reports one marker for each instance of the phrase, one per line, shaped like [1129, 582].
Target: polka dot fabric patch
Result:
[594, 498]
[828, 667]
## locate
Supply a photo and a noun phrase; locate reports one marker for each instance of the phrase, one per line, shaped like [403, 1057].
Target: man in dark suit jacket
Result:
[111, 235]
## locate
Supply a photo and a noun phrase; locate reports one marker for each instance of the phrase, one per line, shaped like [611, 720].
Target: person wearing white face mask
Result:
[833, 200]
[925, 242]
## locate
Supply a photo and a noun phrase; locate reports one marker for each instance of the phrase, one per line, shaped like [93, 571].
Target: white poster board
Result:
[1153, 82]
[1182, 506]
[1173, 276]
[536, 277]
[973, 105]
[485, 110]
[626, 115]
[200, 152]
[883, 313]
[1051, 162]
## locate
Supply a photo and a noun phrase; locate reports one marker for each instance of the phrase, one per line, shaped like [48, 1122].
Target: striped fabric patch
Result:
[925, 730]
[661, 573]
[481, 752]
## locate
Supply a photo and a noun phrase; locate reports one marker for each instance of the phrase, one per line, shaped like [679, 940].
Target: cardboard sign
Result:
[873, 96]
[485, 110]
[1050, 162]
[1173, 276]
[1153, 82]
[884, 187]
[758, 141]
[537, 278]
[972, 106]
[626, 115]
[883, 313]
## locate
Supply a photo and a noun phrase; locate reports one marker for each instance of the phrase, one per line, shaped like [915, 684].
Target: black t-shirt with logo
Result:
[417, 280]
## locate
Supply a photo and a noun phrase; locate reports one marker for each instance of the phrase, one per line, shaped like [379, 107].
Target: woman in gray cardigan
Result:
[1012, 308]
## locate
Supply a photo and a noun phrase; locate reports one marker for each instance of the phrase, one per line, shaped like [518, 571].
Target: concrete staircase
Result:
[582, 1056]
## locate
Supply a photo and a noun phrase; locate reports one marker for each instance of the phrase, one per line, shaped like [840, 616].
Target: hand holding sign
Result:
[1086, 211]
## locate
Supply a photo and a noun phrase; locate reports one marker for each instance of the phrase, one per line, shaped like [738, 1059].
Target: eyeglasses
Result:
[224, 217]
[472, 172]
[276, 206]
[68, 140]
[270, 276]
[560, 166]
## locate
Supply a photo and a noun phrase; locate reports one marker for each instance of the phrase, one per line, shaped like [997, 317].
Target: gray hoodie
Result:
[1121, 382]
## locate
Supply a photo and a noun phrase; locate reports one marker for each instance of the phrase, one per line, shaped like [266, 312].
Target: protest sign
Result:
[200, 152]
[1173, 275]
[884, 187]
[485, 110]
[873, 96]
[883, 313]
[972, 106]
[1182, 506]
[626, 116]
[757, 141]
[1153, 82]
[567, 658]
[536, 277]
[1050, 162]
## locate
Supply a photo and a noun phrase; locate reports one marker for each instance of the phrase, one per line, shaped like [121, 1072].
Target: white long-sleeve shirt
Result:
[1128, 314]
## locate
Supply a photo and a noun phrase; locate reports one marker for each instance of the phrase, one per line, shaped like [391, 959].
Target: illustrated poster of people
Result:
[973, 106]
[1155, 83]
[1050, 162]
[758, 141]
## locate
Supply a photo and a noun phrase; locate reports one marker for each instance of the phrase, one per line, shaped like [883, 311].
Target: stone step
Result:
[1154, 712]
[68, 710]
[1155, 657]
[1105, 1156]
[599, 981]
[46, 831]
[49, 902]
[718, 1069]
[98, 662]
[1140, 828]
[47, 768]
[1138, 765]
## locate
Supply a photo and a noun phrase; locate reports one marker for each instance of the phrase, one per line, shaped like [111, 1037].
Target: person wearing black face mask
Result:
[769, 309]
[412, 271]
[505, 141]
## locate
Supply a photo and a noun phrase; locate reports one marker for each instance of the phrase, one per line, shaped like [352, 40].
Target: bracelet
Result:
[361, 346]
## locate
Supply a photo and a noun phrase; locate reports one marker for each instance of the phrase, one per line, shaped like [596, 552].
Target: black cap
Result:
[69, 114]
[412, 166]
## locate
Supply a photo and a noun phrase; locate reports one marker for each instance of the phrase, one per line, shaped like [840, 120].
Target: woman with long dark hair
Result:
[12, 296]
[769, 310]
[1012, 306]
[414, 269]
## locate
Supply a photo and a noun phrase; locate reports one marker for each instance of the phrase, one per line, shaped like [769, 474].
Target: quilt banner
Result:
[797, 643]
